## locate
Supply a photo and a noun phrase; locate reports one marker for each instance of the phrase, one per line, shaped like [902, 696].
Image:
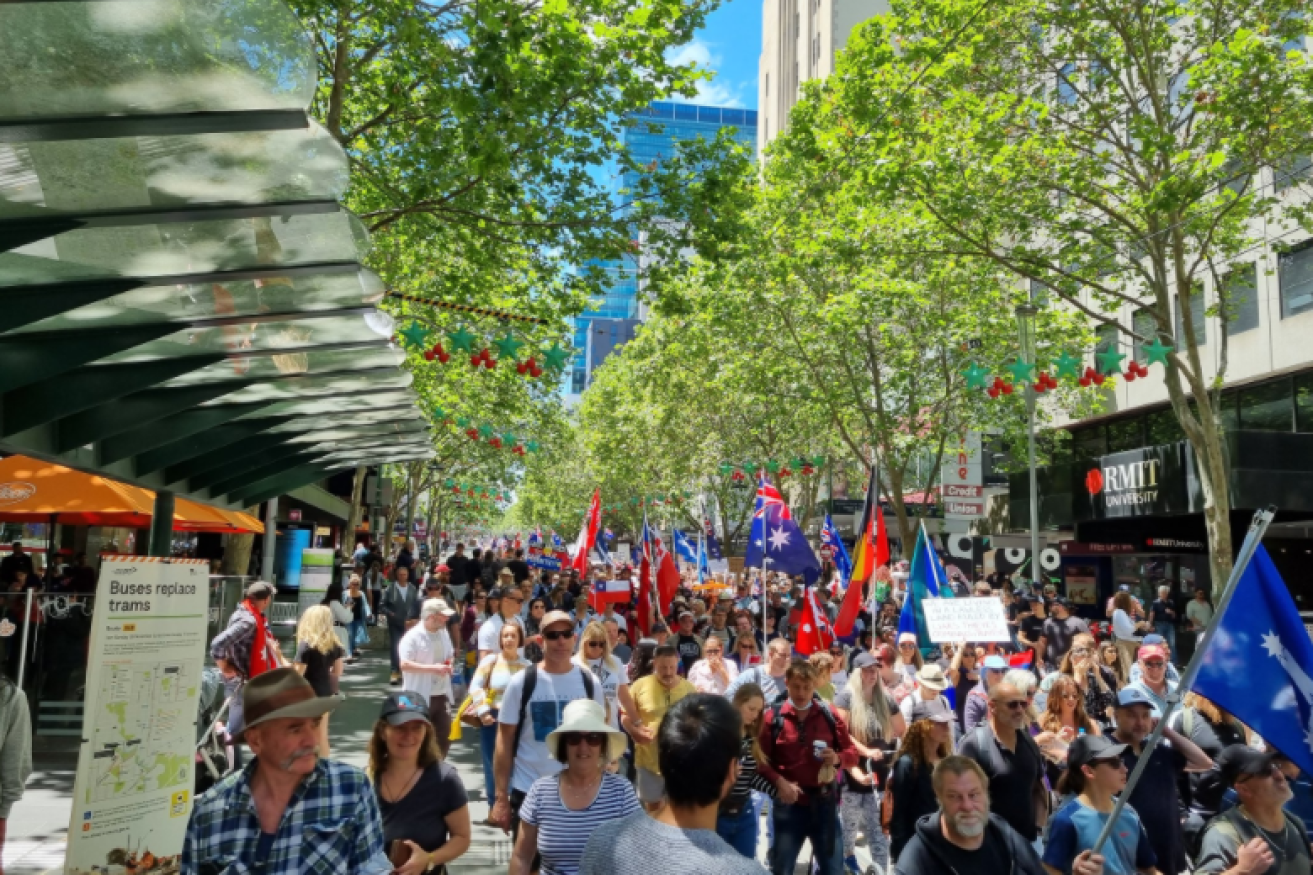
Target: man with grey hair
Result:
[1009, 757]
[427, 656]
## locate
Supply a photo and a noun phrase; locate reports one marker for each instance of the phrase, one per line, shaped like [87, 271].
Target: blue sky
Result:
[729, 44]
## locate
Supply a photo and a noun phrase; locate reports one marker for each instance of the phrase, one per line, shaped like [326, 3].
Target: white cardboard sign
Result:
[965, 619]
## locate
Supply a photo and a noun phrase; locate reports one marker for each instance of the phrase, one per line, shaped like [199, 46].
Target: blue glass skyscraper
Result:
[675, 122]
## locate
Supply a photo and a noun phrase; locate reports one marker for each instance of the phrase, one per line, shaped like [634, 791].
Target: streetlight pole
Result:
[1026, 328]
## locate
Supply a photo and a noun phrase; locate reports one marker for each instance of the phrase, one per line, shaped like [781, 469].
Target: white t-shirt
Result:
[611, 681]
[551, 694]
[490, 632]
[426, 648]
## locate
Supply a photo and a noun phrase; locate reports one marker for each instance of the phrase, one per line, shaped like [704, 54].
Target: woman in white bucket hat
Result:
[561, 811]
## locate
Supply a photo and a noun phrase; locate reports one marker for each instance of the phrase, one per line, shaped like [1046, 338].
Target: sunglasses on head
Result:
[595, 739]
[558, 635]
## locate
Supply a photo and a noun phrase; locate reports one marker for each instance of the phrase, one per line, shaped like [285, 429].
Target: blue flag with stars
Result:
[776, 540]
[1258, 662]
[838, 552]
[925, 579]
[685, 550]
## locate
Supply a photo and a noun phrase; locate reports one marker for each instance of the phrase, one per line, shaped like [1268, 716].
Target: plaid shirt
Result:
[331, 825]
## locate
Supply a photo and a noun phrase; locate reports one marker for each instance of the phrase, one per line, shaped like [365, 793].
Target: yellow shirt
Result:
[652, 702]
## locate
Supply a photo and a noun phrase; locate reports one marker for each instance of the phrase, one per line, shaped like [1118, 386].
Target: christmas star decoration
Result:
[1068, 366]
[508, 438]
[556, 357]
[461, 340]
[485, 431]
[976, 376]
[507, 345]
[772, 467]
[1110, 361]
[1022, 372]
[531, 446]
[1157, 351]
[416, 335]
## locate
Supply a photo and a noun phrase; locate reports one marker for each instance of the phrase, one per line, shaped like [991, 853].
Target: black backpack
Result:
[531, 682]
[777, 718]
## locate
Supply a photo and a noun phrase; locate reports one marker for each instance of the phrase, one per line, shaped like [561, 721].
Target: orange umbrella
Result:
[36, 491]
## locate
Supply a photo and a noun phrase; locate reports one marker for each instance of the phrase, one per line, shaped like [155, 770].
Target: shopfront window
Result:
[1268, 407]
[1089, 443]
[1304, 403]
[1164, 428]
[1125, 434]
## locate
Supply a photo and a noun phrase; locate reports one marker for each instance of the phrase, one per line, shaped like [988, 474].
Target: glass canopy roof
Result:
[185, 301]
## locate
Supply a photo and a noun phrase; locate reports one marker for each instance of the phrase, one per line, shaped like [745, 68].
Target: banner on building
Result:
[133, 792]
[316, 575]
[978, 620]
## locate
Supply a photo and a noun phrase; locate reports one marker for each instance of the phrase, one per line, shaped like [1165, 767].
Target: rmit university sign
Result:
[1144, 482]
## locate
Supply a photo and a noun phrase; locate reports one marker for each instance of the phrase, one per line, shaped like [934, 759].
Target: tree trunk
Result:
[237, 555]
[353, 518]
[1211, 459]
[412, 497]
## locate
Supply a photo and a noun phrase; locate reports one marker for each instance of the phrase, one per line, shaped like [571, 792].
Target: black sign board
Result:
[1151, 481]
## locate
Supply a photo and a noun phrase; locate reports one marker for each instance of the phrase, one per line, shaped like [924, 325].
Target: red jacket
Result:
[791, 755]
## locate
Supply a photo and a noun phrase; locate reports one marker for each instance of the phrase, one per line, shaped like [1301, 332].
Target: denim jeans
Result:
[818, 821]
[354, 628]
[740, 830]
[488, 742]
[1167, 629]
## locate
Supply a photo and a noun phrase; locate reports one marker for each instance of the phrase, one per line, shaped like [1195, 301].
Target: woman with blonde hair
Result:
[594, 654]
[425, 810]
[1097, 683]
[319, 659]
[874, 725]
[1065, 714]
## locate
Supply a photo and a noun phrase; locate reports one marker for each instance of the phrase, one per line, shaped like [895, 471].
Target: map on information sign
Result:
[131, 751]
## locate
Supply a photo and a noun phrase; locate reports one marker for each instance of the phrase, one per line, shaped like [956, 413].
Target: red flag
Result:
[667, 576]
[814, 632]
[644, 607]
[881, 538]
[864, 558]
[588, 534]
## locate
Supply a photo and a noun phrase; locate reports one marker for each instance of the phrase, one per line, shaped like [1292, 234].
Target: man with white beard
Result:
[965, 839]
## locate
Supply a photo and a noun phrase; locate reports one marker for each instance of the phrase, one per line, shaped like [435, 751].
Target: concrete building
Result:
[800, 40]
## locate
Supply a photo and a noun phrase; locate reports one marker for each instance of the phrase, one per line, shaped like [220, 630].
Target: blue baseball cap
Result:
[1128, 696]
[996, 663]
[1153, 639]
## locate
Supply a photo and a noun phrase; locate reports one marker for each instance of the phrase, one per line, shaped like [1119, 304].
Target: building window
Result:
[1089, 442]
[1066, 87]
[1268, 407]
[1106, 338]
[1163, 428]
[1198, 314]
[1304, 403]
[1126, 434]
[1144, 325]
[768, 85]
[1240, 288]
[1295, 269]
[1293, 172]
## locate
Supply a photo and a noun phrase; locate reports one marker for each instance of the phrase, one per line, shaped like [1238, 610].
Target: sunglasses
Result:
[598, 644]
[1114, 762]
[594, 739]
[1271, 770]
[1015, 704]
[558, 635]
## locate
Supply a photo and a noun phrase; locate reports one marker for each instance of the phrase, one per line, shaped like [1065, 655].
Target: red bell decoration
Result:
[495, 443]
[429, 355]
[1007, 388]
[785, 472]
[476, 360]
[489, 362]
[1131, 374]
[994, 391]
[520, 368]
[1098, 379]
[472, 433]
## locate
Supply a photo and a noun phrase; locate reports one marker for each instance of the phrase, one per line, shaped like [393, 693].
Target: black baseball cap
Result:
[1088, 748]
[1238, 760]
[404, 706]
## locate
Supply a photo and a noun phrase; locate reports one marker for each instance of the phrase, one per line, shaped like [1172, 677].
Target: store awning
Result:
[39, 492]
[185, 302]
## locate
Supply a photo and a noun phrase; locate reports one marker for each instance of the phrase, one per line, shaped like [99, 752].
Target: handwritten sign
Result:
[969, 619]
[547, 563]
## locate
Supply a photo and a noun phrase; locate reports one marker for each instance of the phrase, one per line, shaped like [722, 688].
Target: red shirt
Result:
[792, 756]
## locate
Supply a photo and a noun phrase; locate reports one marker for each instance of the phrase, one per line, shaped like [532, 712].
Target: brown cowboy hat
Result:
[282, 693]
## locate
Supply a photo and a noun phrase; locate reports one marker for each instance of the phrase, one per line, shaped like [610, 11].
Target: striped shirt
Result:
[562, 833]
[749, 779]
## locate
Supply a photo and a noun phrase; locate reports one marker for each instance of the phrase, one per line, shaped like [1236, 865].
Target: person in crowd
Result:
[839, 671]
[963, 673]
[475, 615]
[288, 811]
[747, 653]
[1162, 616]
[745, 628]
[824, 665]
[874, 725]
[459, 564]
[1011, 759]
[617, 639]
[719, 628]
[15, 749]
[769, 676]
[17, 560]
[1064, 714]
[424, 806]
[965, 837]
[644, 655]
[319, 659]
[396, 607]
[909, 659]
[1060, 631]
[976, 710]
[804, 742]
[487, 687]
[560, 811]
[1125, 629]
[1213, 730]
[1153, 639]
[910, 789]
[652, 697]
[1198, 614]
[687, 642]
[928, 697]
[537, 610]
[583, 613]
[246, 649]
[335, 600]
[1155, 796]
[1258, 836]
[406, 559]
[595, 655]
[1153, 682]
[508, 611]
[698, 745]
[531, 709]
[894, 680]
[357, 632]
[713, 673]
[518, 568]
[489, 568]
[1094, 775]
[375, 582]
[1030, 628]
[1111, 659]
[737, 821]
[1096, 682]
[427, 658]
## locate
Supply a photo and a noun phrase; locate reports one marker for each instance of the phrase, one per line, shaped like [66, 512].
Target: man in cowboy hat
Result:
[288, 811]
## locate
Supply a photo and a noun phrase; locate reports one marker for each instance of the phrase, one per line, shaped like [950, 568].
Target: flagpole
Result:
[1257, 529]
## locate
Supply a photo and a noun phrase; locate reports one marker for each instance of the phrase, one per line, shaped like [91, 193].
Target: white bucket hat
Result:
[585, 715]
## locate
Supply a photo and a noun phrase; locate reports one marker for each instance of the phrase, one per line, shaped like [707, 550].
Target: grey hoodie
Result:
[15, 746]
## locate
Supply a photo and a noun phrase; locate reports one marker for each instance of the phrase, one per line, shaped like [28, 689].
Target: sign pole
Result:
[1257, 528]
[22, 645]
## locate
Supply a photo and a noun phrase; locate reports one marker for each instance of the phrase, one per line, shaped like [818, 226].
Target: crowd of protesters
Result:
[608, 748]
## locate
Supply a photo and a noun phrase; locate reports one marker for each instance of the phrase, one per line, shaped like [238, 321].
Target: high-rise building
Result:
[620, 307]
[800, 40]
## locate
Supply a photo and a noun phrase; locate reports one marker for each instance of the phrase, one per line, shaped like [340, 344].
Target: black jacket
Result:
[913, 798]
[924, 854]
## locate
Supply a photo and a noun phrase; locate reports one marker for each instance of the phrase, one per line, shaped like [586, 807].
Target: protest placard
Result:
[969, 619]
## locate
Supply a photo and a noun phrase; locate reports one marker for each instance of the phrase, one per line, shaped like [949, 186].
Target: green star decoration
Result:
[531, 446]
[416, 335]
[462, 340]
[439, 414]
[463, 421]
[555, 358]
[508, 346]
[1022, 371]
[485, 431]
[1068, 366]
[1157, 351]
[508, 438]
[976, 376]
[1110, 361]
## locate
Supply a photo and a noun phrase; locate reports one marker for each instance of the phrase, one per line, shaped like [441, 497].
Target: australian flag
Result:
[607, 534]
[1258, 662]
[686, 550]
[713, 545]
[536, 537]
[557, 543]
[838, 553]
[775, 538]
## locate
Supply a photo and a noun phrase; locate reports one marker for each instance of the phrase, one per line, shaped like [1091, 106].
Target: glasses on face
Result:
[598, 644]
[716, 652]
[1112, 762]
[594, 739]
[1014, 704]
[1070, 697]
[1271, 770]
[557, 635]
